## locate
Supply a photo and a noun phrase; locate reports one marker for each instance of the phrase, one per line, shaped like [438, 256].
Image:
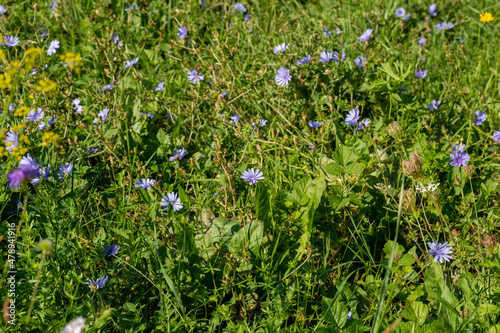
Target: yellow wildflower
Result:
[486, 17]
[49, 138]
[73, 61]
[16, 128]
[46, 85]
[13, 68]
[22, 111]
[5, 81]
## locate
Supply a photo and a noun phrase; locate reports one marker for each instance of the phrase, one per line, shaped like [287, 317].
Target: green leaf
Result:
[417, 312]
[249, 237]
[262, 205]
[388, 248]
[130, 307]
[334, 312]
[344, 155]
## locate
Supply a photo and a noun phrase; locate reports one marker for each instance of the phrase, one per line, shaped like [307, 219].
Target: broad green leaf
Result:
[262, 205]
[334, 312]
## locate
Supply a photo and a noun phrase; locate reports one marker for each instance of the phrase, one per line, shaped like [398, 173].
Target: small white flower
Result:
[75, 326]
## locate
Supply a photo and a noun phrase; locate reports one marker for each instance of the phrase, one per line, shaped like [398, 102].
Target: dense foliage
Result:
[296, 166]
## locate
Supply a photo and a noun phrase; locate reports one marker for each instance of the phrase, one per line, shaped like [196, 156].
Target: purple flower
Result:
[11, 141]
[314, 124]
[247, 17]
[160, 86]
[458, 148]
[304, 60]
[97, 284]
[103, 114]
[35, 115]
[480, 117]
[326, 32]
[182, 32]
[148, 114]
[223, 95]
[240, 8]
[361, 62]
[421, 73]
[311, 147]
[283, 77]
[459, 158]
[362, 124]
[336, 56]
[365, 36]
[110, 250]
[178, 155]
[434, 105]
[432, 10]
[65, 169]
[400, 12]
[108, 87]
[444, 25]
[131, 62]
[234, 119]
[134, 7]
[146, 183]
[53, 6]
[10, 41]
[171, 199]
[115, 38]
[496, 136]
[262, 122]
[3, 10]
[280, 48]
[54, 45]
[421, 41]
[43, 34]
[194, 77]
[440, 251]
[325, 56]
[25, 172]
[252, 176]
[352, 117]
[92, 150]
[76, 105]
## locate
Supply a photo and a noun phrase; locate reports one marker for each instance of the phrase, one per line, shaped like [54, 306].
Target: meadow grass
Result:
[191, 176]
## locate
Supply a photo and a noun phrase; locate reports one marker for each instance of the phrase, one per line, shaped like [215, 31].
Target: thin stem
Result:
[35, 291]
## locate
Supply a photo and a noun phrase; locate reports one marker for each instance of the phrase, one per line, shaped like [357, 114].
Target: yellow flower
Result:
[486, 17]
[73, 61]
[49, 138]
[22, 111]
[46, 85]
[5, 81]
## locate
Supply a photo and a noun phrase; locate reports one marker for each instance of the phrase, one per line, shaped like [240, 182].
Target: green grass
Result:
[336, 229]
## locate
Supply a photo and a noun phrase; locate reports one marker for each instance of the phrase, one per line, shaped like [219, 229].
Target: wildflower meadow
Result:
[258, 166]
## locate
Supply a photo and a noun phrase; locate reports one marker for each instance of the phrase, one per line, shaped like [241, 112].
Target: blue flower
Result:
[178, 155]
[352, 117]
[349, 315]
[54, 45]
[182, 32]
[110, 250]
[10, 41]
[53, 5]
[247, 17]
[108, 87]
[421, 41]
[325, 56]
[365, 36]
[362, 124]
[336, 56]
[480, 117]
[92, 150]
[311, 147]
[434, 105]
[234, 119]
[3, 10]
[42, 126]
[131, 62]
[459, 158]
[326, 32]
[11, 141]
[240, 8]
[30, 162]
[432, 10]
[194, 77]
[224, 95]
[35, 115]
[496, 136]
[160, 86]
[314, 124]
[65, 169]
[304, 60]
[282, 77]
[361, 62]
[103, 114]
[400, 12]
[262, 122]
[252, 176]
[444, 25]
[280, 48]
[97, 284]
[458, 148]
[440, 251]
[148, 114]
[115, 38]
[146, 183]
[51, 120]
[171, 199]
[134, 7]
[421, 73]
